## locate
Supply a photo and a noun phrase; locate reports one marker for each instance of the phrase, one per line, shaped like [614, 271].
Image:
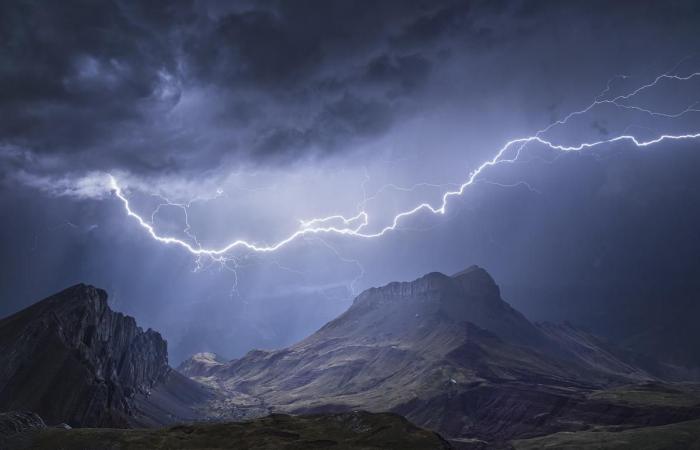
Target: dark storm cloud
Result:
[101, 80]
[76, 74]
[331, 62]
[401, 72]
[340, 123]
[76, 57]
[432, 25]
[182, 87]
[257, 48]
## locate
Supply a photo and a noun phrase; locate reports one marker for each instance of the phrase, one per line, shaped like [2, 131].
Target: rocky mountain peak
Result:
[74, 336]
[201, 364]
[433, 301]
[477, 279]
[82, 293]
[77, 297]
[469, 285]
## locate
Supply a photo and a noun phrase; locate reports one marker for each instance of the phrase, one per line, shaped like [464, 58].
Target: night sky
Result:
[249, 117]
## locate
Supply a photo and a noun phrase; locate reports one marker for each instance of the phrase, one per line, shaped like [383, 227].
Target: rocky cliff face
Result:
[15, 422]
[71, 359]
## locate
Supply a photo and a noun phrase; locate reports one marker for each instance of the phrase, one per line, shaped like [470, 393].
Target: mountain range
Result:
[450, 354]
[446, 352]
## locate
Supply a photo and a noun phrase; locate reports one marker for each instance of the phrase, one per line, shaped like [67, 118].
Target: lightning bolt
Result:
[356, 225]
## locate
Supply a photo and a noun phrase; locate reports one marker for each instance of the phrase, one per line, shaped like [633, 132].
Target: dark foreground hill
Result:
[348, 431]
[450, 355]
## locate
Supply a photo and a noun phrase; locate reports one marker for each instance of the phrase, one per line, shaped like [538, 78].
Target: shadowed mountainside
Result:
[71, 359]
[348, 431]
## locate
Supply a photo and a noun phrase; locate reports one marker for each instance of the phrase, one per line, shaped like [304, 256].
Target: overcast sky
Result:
[257, 115]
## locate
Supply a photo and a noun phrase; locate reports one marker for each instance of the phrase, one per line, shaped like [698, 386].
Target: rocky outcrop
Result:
[71, 359]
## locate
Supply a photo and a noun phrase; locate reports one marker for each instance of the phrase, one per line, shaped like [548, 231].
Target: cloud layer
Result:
[187, 87]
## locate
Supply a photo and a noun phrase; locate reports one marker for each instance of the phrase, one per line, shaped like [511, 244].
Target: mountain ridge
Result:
[448, 353]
